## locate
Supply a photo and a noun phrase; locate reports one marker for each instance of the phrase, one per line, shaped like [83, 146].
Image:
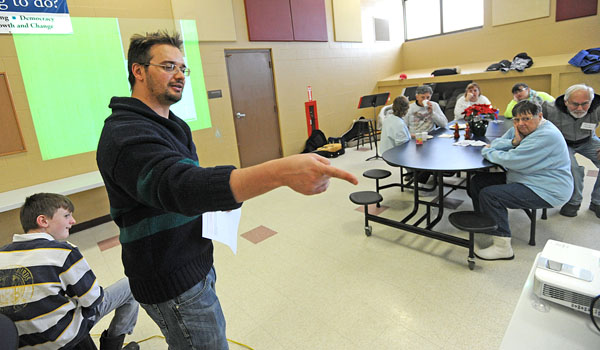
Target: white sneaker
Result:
[499, 250]
[428, 193]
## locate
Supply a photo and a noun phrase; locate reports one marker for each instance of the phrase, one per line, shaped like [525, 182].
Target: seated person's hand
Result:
[517, 139]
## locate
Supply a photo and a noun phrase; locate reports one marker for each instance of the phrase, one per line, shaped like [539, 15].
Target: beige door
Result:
[254, 107]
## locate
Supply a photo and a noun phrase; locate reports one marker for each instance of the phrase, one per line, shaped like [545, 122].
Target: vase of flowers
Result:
[476, 115]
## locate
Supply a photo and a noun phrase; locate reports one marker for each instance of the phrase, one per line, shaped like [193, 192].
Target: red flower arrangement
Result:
[480, 110]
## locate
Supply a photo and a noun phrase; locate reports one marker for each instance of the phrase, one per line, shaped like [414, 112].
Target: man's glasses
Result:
[522, 119]
[171, 68]
[576, 105]
[519, 90]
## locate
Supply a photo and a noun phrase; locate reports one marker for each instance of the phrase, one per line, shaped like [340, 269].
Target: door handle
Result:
[240, 115]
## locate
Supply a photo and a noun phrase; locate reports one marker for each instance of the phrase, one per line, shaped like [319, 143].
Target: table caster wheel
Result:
[471, 264]
[368, 230]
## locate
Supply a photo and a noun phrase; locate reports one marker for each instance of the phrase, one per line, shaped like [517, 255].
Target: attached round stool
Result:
[365, 198]
[377, 174]
[472, 222]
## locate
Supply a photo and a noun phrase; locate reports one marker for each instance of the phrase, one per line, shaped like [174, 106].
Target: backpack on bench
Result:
[315, 140]
[317, 143]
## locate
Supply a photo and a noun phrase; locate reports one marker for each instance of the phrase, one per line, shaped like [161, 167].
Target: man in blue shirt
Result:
[538, 175]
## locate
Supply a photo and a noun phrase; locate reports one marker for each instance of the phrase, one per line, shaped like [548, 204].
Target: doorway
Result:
[255, 112]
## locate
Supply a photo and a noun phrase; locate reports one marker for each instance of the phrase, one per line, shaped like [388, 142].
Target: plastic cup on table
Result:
[419, 138]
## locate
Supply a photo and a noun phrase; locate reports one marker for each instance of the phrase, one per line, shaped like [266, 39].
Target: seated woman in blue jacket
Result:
[538, 175]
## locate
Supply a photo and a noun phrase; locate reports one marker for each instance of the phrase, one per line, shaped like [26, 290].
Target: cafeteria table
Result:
[438, 155]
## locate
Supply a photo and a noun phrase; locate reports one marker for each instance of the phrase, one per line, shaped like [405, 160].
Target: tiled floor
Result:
[320, 283]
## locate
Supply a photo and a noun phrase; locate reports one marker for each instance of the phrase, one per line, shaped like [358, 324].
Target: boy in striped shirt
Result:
[48, 289]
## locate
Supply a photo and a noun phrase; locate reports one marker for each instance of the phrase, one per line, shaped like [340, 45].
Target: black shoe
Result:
[132, 346]
[111, 343]
[596, 209]
[116, 343]
[569, 210]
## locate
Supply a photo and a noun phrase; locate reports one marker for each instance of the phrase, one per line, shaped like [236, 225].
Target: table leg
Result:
[415, 196]
[471, 258]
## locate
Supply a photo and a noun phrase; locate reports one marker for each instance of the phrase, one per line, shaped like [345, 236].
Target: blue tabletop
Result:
[439, 154]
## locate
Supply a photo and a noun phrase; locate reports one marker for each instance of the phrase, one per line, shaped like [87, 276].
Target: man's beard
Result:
[578, 115]
[169, 98]
[173, 98]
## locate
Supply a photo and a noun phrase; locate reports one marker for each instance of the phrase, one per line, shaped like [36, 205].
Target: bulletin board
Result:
[512, 11]
[569, 9]
[347, 23]
[11, 138]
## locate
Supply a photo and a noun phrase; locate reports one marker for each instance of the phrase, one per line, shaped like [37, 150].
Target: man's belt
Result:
[578, 142]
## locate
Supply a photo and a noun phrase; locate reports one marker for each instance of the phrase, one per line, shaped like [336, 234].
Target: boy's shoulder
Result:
[38, 240]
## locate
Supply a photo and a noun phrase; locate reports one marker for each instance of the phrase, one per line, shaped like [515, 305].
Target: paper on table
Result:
[446, 135]
[222, 226]
[466, 143]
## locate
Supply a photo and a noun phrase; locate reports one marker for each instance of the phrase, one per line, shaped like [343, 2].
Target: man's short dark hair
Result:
[140, 45]
[525, 107]
[42, 204]
[518, 86]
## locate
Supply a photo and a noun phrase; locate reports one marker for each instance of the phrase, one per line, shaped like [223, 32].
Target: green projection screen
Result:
[69, 80]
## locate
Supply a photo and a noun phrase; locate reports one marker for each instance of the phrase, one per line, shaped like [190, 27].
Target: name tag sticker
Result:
[588, 126]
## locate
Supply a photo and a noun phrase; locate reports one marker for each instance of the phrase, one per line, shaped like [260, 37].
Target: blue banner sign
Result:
[46, 6]
[34, 17]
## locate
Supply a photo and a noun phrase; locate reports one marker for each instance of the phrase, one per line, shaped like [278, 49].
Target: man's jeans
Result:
[194, 319]
[492, 196]
[588, 150]
[118, 297]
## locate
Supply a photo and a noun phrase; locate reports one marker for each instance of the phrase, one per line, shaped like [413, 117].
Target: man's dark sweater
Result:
[571, 127]
[157, 193]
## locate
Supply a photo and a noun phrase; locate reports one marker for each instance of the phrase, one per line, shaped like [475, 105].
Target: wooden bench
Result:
[552, 74]
[14, 199]
[85, 190]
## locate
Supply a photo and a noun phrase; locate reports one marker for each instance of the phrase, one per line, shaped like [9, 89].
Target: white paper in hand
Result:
[222, 226]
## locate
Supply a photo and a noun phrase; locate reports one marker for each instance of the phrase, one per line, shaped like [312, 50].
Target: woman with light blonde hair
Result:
[471, 97]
